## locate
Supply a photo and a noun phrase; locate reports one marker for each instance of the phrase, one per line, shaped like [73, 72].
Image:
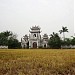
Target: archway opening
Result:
[34, 45]
[45, 46]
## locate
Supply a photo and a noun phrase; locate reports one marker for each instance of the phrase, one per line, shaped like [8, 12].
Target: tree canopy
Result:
[7, 38]
[54, 41]
[63, 30]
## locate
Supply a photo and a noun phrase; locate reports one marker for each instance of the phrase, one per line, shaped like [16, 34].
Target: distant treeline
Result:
[7, 38]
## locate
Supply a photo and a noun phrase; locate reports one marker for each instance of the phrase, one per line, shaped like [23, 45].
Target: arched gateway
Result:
[34, 40]
[34, 45]
[34, 37]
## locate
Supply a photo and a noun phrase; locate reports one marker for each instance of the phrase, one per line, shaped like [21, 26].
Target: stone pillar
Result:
[37, 43]
[29, 42]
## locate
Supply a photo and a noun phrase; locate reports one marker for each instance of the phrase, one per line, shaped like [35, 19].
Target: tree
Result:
[64, 29]
[66, 42]
[13, 43]
[4, 37]
[73, 41]
[54, 41]
[7, 38]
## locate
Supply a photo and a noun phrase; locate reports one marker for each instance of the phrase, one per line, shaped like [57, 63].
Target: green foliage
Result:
[73, 41]
[64, 29]
[4, 37]
[13, 43]
[66, 42]
[54, 41]
[7, 38]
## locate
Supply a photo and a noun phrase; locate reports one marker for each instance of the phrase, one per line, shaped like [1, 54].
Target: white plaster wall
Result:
[32, 38]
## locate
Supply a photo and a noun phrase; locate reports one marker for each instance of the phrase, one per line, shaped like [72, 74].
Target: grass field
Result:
[37, 62]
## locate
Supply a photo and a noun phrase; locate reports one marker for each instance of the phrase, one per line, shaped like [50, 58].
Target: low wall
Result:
[3, 47]
[71, 46]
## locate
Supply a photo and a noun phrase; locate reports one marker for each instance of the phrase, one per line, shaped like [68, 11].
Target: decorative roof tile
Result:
[35, 28]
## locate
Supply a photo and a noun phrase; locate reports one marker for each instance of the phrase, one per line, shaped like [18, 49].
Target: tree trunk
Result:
[63, 36]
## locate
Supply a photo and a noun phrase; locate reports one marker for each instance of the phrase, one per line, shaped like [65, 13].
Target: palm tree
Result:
[64, 29]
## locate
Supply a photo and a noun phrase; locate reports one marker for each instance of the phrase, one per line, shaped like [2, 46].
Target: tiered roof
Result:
[35, 28]
[45, 36]
[25, 37]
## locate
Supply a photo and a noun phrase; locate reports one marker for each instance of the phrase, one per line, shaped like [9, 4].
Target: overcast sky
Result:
[19, 15]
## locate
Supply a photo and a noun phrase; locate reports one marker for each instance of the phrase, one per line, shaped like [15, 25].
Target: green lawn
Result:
[37, 62]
